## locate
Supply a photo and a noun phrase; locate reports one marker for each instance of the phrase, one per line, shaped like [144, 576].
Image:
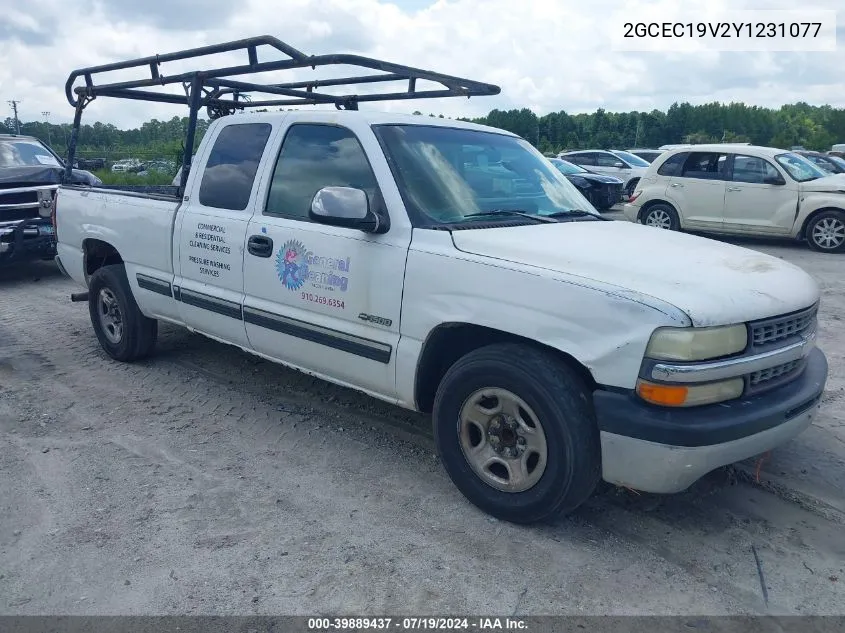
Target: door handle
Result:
[259, 245]
[676, 184]
[734, 189]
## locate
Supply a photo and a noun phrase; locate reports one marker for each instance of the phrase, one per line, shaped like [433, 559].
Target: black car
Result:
[30, 173]
[833, 164]
[602, 191]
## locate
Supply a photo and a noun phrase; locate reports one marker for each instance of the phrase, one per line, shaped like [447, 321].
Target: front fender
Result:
[605, 331]
[814, 203]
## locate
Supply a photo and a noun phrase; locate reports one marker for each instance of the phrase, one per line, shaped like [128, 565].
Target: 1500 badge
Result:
[371, 318]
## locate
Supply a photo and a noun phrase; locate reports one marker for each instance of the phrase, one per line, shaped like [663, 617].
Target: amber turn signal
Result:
[664, 395]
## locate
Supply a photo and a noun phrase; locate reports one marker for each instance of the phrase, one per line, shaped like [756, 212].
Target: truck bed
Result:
[136, 221]
[168, 192]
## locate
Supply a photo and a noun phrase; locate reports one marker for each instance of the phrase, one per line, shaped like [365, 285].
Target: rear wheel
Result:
[122, 329]
[661, 216]
[516, 432]
[826, 232]
[631, 186]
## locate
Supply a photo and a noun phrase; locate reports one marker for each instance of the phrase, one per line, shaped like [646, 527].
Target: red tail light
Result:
[634, 196]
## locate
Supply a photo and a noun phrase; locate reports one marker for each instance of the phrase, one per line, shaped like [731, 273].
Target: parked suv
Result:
[742, 190]
[622, 165]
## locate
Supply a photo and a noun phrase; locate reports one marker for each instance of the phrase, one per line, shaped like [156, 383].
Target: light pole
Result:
[46, 115]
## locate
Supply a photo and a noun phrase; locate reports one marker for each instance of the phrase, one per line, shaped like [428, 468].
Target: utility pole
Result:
[14, 105]
[47, 121]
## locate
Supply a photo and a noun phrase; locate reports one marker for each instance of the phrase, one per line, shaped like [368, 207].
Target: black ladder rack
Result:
[218, 91]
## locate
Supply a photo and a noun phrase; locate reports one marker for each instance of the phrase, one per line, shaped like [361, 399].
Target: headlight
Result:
[690, 395]
[688, 344]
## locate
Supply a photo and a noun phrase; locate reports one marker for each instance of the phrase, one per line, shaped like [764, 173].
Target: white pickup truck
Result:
[552, 348]
[449, 268]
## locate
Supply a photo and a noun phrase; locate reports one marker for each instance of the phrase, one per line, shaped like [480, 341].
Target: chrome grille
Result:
[778, 371]
[780, 328]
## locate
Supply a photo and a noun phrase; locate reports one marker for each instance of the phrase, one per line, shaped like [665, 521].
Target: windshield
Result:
[566, 167]
[799, 168]
[837, 161]
[629, 158]
[447, 175]
[25, 153]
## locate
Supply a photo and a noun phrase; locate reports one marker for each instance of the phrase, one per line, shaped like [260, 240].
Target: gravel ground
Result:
[207, 481]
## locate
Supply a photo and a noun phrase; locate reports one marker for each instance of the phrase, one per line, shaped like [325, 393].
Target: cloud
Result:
[547, 55]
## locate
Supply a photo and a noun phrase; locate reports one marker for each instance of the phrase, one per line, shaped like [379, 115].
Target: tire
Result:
[124, 333]
[629, 188]
[662, 216]
[826, 232]
[548, 393]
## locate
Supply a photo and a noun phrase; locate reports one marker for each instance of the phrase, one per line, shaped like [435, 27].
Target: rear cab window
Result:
[232, 164]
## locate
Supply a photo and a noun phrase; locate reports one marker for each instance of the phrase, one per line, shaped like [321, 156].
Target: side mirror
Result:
[344, 206]
[774, 180]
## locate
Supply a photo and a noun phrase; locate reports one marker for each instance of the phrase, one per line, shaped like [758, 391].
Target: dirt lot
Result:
[204, 480]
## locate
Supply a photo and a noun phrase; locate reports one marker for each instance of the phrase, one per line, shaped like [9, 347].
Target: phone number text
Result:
[326, 301]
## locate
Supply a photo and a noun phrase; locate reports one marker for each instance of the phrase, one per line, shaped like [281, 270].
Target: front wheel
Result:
[516, 433]
[122, 329]
[826, 232]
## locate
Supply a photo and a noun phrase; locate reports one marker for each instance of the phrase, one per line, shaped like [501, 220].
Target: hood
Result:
[43, 175]
[712, 282]
[599, 178]
[832, 183]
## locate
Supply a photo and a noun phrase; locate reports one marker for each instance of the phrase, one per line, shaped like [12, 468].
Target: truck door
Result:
[325, 299]
[211, 232]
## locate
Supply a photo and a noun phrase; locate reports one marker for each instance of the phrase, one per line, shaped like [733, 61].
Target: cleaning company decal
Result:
[303, 270]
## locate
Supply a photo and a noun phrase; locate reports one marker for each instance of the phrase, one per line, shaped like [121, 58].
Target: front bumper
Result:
[664, 450]
[27, 240]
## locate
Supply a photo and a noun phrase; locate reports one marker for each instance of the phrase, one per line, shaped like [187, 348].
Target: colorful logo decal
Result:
[291, 265]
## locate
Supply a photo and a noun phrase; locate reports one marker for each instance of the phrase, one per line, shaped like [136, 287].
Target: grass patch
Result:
[122, 178]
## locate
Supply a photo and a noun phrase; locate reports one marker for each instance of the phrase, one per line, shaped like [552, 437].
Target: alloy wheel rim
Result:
[659, 218]
[829, 233]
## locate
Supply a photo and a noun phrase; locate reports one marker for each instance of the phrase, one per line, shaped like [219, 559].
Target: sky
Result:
[546, 55]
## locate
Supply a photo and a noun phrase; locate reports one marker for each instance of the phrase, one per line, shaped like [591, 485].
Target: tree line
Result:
[153, 140]
[813, 127]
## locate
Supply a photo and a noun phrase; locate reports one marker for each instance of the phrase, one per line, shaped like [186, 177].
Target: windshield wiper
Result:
[524, 214]
[574, 213]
